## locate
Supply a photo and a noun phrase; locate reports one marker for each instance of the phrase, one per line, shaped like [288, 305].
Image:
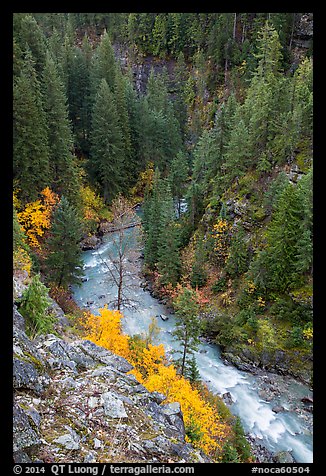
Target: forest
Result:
[205, 120]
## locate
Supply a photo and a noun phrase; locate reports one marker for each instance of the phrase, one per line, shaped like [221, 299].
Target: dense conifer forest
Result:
[205, 119]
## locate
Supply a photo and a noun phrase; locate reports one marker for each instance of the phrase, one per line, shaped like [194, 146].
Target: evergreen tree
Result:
[238, 156]
[30, 36]
[107, 149]
[188, 326]
[159, 33]
[304, 247]
[275, 268]
[64, 169]
[124, 123]
[168, 264]
[30, 134]
[152, 222]
[103, 65]
[64, 263]
[33, 305]
[180, 105]
[238, 259]
[191, 370]
[178, 177]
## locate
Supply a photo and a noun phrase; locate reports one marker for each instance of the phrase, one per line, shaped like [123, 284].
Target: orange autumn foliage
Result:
[35, 219]
[203, 425]
[105, 330]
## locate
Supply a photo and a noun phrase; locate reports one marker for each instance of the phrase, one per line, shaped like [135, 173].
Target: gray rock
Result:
[21, 457]
[18, 320]
[278, 409]
[157, 397]
[34, 416]
[90, 243]
[24, 436]
[91, 457]
[283, 457]
[58, 313]
[98, 443]
[174, 416]
[227, 398]
[25, 376]
[102, 355]
[70, 440]
[113, 406]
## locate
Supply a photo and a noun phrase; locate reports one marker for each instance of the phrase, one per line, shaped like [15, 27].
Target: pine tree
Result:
[34, 303]
[168, 264]
[63, 163]
[30, 134]
[31, 36]
[178, 177]
[180, 106]
[64, 263]
[107, 149]
[159, 33]
[191, 371]
[238, 259]
[275, 267]
[304, 247]
[103, 65]
[152, 222]
[124, 123]
[188, 326]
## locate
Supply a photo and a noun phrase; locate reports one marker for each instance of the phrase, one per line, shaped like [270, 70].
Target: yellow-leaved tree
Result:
[203, 425]
[105, 330]
[35, 218]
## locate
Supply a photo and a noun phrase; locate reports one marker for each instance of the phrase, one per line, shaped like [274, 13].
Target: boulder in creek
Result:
[283, 457]
[227, 398]
[307, 400]
[90, 243]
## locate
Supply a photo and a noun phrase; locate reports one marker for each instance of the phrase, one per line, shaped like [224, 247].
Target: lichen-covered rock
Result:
[25, 437]
[93, 407]
[283, 457]
[113, 405]
[18, 320]
[70, 440]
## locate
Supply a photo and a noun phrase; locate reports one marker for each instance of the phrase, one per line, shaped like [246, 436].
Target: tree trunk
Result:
[185, 348]
[234, 25]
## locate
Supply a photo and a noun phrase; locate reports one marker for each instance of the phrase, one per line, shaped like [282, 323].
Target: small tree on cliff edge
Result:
[188, 326]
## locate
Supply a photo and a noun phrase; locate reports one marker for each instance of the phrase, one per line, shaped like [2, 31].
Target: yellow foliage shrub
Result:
[105, 330]
[203, 426]
[22, 261]
[221, 238]
[35, 219]
[196, 412]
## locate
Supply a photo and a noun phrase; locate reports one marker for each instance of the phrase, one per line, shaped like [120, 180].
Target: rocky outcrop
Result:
[76, 401]
[90, 243]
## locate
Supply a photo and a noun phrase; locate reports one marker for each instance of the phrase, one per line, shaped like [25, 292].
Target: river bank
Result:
[283, 433]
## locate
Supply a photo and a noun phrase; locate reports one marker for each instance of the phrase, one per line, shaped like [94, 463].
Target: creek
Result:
[288, 429]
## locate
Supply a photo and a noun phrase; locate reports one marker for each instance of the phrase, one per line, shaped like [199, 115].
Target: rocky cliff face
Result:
[75, 402]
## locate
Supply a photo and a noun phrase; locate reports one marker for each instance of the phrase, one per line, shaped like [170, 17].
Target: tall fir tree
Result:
[188, 326]
[168, 264]
[64, 167]
[107, 148]
[64, 262]
[30, 134]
